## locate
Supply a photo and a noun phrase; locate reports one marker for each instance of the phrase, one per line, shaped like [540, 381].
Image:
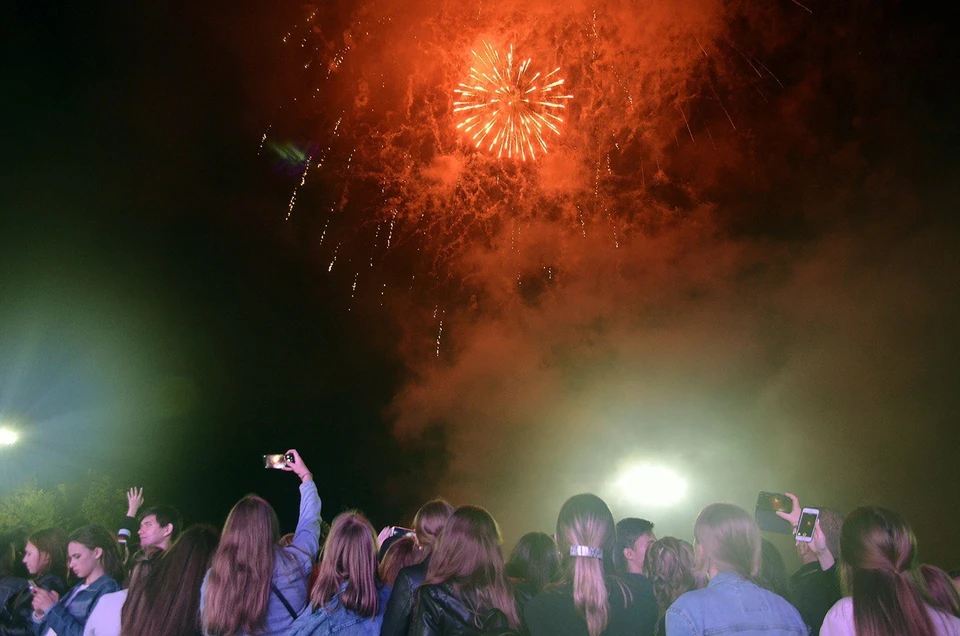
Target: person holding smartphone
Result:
[253, 585]
[45, 558]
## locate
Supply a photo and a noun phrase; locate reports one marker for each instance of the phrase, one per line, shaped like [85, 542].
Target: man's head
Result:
[634, 536]
[159, 527]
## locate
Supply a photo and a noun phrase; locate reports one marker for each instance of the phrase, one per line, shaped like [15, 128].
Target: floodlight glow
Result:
[8, 437]
[651, 485]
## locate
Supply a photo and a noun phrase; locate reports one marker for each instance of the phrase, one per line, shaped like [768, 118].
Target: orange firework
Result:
[506, 108]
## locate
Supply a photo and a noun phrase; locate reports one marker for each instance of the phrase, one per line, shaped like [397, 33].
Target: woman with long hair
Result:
[94, 559]
[534, 563]
[670, 566]
[589, 599]
[45, 558]
[253, 585]
[427, 526]
[166, 602]
[941, 589]
[348, 597]
[880, 571]
[466, 587]
[402, 553]
[728, 550]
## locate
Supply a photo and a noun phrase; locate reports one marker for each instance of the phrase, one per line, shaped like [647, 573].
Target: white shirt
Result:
[104, 620]
[839, 621]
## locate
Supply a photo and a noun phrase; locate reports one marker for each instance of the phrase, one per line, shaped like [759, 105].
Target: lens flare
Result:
[508, 109]
[8, 437]
[651, 485]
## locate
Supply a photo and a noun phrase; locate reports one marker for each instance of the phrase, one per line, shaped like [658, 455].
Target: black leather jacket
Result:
[440, 612]
[396, 620]
[15, 615]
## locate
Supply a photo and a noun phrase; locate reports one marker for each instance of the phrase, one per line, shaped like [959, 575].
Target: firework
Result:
[508, 109]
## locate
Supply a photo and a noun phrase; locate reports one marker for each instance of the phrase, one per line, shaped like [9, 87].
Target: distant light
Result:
[8, 437]
[651, 485]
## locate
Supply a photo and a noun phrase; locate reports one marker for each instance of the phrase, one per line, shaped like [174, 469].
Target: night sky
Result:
[739, 260]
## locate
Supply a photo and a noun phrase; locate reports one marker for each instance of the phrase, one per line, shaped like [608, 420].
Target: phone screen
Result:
[274, 461]
[808, 520]
[774, 501]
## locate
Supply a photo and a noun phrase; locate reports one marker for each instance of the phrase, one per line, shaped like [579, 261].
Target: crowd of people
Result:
[447, 576]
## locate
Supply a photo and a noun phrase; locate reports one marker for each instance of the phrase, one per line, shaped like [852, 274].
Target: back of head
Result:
[350, 559]
[167, 601]
[628, 531]
[586, 539]
[53, 543]
[941, 589]
[729, 540]
[535, 560]
[166, 515]
[671, 567]
[773, 571]
[469, 560]
[429, 522]
[238, 587]
[94, 537]
[881, 571]
[401, 553]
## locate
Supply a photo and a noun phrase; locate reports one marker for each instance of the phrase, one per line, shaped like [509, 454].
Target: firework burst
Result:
[508, 109]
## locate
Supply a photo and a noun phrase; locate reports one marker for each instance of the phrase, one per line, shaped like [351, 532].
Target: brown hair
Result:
[167, 602]
[94, 537]
[349, 557]
[941, 589]
[585, 520]
[468, 559]
[671, 567]
[401, 553]
[881, 572]
[53, 543]
[238, 586]
[429, 522]
[730, 539]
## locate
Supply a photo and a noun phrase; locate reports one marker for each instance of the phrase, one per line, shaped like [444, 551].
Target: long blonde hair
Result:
[468, 559]
[729, 538]
[349, 557]
[585, 520]
[238, 587]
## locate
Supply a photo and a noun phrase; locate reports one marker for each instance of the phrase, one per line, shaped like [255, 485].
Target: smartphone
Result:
[32, 584]
[277, 461]
[768, 504]
[401, 532]
[808, 521]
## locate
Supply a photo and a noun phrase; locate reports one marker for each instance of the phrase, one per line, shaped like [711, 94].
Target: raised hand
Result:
[794, 515]
[134, 501]
[297, 466]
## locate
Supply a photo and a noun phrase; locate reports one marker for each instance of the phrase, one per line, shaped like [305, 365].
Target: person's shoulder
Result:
[944, 623]
[839, 619]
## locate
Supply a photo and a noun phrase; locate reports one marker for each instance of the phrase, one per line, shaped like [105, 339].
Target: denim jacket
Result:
[732, 605]
[334, 619]
[69, 620]
[292, 566]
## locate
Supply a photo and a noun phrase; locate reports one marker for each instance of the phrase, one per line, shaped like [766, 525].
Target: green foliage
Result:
[96, 500]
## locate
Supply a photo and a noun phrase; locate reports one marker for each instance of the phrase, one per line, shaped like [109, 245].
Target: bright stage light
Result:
[8, 437]
[651, 485]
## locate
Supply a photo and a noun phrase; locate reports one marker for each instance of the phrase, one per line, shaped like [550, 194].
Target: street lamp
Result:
[8, 437]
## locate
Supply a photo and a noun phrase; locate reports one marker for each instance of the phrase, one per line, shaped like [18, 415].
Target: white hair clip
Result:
[586, 551]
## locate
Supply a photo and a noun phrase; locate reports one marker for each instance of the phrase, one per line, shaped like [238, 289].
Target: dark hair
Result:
[773, 571]
[628, 531]
[166, 515]
[535, 560]
[943, 592]
[881, 571]
[8, 556]
[167, 603]
[401, 553]
[831, 523]
[94, 537]
[53, 543]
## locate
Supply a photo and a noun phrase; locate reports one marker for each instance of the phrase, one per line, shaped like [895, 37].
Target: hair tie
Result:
[586, 551]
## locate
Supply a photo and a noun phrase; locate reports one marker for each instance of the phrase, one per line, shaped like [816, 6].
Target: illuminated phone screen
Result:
[807, 522]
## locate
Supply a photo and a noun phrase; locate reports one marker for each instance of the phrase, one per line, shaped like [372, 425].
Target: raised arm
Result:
[307, 537]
